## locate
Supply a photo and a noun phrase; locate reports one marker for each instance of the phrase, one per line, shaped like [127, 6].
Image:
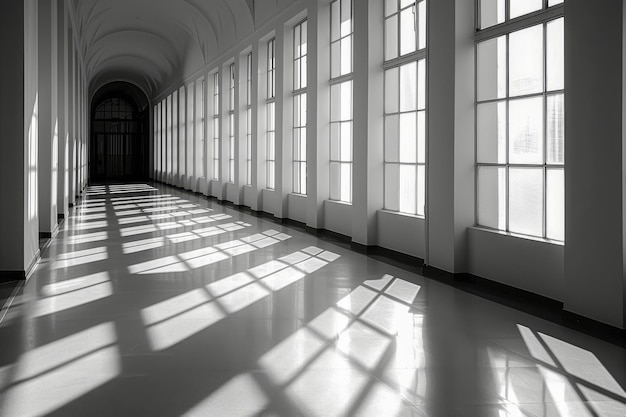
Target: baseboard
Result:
[593, 327]
[9, 276]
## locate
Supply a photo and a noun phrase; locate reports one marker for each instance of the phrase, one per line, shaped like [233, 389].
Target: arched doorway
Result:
[119, 148]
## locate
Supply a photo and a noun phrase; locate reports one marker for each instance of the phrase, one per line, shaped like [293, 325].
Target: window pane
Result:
[391, 90]
[491, 12]
[335, 142]
[346, 55]
[491, 132]
[491, 69]
[421, 136]
[335, 59]
[554, 2]
[297, 83]
[303, 72]
[391, 138]
[304, 33]
[335, 181]
[346, 183]
[346, 141]
[408, 137]
[421, 84]
[303, 189]
[334, 20]
[555, 55]
[408, 35]
[408, 189]
[422, 25]
[335, 102]
[526, 61]
[421, 189]
[391, 37]
[408, 88]
[492, 197]
[391, 187]
[303, 143]
[346, 100]
[346, 17]
[556, 129]
[526, 201]
[526, 131]
[521, 7]
[555, 206]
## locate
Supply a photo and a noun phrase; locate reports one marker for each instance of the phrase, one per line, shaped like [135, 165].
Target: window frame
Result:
[270, 103]
[299, 95]
[541, 17]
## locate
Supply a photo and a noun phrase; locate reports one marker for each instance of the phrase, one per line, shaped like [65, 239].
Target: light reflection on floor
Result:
[152, 301]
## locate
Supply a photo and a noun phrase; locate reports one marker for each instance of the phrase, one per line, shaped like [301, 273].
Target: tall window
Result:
[190, 129]
[231, 123]
[520, 122]
[405, 106]
[299, 107]
[270, 162]
[249, 119]
[157, 137]
[175, 132]
[182, 130]
[200, 145]
[341, 29]
[216, 126]
[168, 133]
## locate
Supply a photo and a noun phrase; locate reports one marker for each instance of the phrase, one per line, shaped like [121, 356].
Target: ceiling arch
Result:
[155, 42]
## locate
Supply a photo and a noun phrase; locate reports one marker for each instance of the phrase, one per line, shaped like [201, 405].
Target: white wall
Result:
[401, 233]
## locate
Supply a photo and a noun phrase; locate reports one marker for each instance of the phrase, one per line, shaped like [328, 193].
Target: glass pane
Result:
[334, 20]
[296, 41]
[303, 144]
[408, 88]
[297, 84]
[335, 102]
[304, 43]
[391, 38]
[526, 201]
[346, 141]
[555, 204]
[492, 197]
[556, 129]
[296, 144]
[335, 141]
[422, 25]
[526, 61]
[408, 137]
[335, 181]
[391, 187]
[346, 100]
[421, 136]
[421, 84]
[554, 2]
[491, 12]
[521, 7]
[346, 55]
[335, 59]
[421, 189]
[555, 55]
[526, 131]
[391, 6]
[346, 17]
[408, 35]
[346, 183]
[391, 138]
[296, 177]
[391, 90]
[405, 3]
[302, 109]
[491, 69]
[408, 189]
[303, 188]
[271, 181]
[303, 72]
[491, 132]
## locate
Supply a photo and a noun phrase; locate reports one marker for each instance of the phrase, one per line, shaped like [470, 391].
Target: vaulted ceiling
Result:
[154, 43]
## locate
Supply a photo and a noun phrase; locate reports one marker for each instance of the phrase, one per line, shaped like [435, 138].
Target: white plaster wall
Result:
[297, 207]
[338, 217]
[532, 265]
[402, 233]
[270, 202]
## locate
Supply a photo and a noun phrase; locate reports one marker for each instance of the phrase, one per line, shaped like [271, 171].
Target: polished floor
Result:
[157, 302]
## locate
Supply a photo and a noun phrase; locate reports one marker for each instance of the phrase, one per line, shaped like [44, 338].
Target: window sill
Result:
[397, 213]
[518, 235]
[298, 195]
[341, 203]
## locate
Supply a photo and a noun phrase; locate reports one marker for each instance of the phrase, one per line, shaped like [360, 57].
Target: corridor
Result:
[159, 302]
